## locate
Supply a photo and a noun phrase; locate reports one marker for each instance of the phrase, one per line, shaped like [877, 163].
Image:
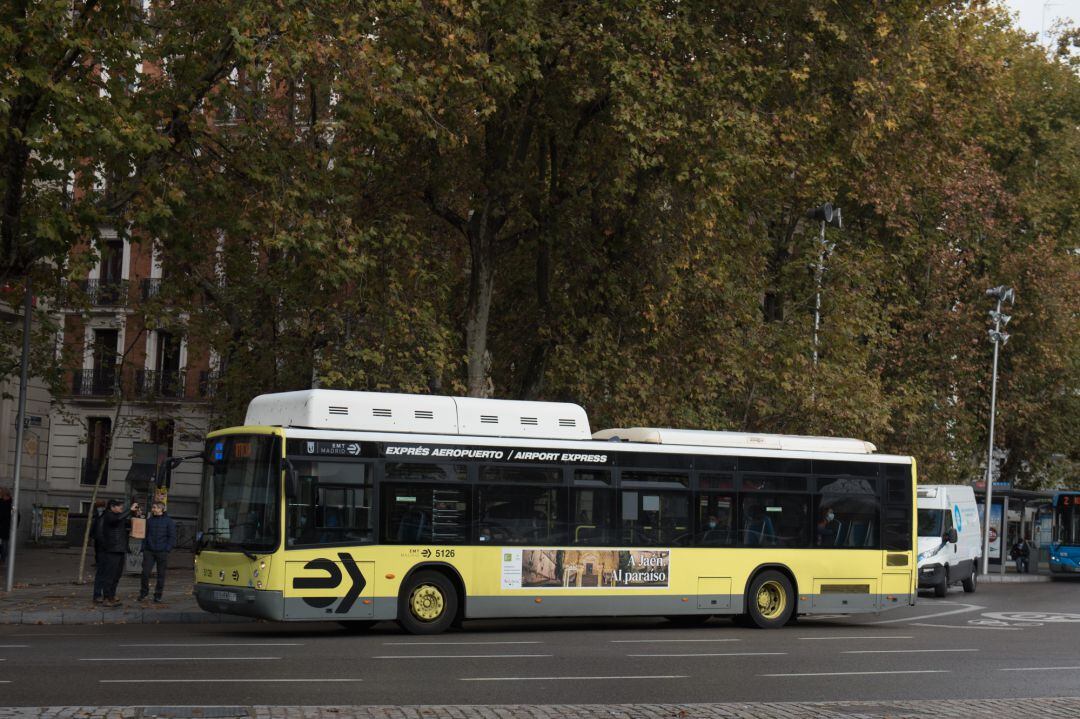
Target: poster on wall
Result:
[585, 568]
[60, 526]
[48, 521]
[995, 531]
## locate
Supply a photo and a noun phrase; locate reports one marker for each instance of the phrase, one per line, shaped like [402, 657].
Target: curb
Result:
[1014, 578]
[117, 616]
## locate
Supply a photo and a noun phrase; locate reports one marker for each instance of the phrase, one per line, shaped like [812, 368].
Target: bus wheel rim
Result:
[771, 600]
[427, 603]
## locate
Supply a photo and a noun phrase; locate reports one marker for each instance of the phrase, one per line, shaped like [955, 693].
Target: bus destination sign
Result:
[525, 455]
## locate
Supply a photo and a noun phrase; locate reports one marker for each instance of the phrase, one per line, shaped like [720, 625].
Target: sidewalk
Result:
[45, 592]
[1011, 576]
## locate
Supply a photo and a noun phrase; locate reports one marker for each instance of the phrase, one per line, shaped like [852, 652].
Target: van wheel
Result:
[972, 581]
[942, 587]
[427, 604]
[770, 601]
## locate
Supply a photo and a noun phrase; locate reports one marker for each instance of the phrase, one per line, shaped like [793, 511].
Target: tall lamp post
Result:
[827, 215]
[1003, 295]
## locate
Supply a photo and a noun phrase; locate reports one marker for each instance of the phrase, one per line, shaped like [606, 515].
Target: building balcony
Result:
[95, 382]
[99, 293]
[149, 287]
[208, 382]
[156, 384]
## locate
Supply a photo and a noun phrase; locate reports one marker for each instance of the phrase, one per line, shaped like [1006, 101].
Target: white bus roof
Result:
[745, 440]
[419, 413]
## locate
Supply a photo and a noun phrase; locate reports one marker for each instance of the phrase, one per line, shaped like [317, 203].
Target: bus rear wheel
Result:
[771, 600]
[428, 604]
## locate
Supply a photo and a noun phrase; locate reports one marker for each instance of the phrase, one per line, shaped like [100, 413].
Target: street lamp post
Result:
[827, 215]
[1002, 294]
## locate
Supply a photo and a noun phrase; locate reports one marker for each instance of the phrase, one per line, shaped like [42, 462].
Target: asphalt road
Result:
[1005, 641]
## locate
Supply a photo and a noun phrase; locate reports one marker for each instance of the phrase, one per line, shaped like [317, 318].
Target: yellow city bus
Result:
[358, 507]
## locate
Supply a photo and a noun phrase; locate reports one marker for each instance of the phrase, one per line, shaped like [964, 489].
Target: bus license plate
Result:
[221, 596]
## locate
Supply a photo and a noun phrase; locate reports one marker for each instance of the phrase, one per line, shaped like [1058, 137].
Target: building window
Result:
[97, 448]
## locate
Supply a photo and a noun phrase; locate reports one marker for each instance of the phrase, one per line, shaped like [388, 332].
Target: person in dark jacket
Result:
[5, 521]
[114, 538]
[159, 541]
[97, 536]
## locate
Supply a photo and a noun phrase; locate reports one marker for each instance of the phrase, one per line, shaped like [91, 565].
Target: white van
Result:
[950, 537]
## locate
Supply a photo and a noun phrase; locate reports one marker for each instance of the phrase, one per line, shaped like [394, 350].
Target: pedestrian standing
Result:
[5, 521]
[160, 540]
[114, 535]
[97, 536]
[1020, 553]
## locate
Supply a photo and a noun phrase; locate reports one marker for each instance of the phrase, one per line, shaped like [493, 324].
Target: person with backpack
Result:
[159, 541]
[98, 539]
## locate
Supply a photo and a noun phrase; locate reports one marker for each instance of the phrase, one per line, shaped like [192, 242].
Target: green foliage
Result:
[605, 202]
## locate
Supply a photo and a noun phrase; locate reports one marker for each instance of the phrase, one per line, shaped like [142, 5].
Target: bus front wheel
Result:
[771, 600]
[427, 604]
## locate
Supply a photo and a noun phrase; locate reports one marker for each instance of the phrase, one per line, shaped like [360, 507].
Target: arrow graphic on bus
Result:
[331, 581]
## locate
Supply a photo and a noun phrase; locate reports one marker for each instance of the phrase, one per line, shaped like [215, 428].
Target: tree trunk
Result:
[478, 312]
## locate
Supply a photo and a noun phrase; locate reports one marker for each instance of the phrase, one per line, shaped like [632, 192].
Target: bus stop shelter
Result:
[1016, 513]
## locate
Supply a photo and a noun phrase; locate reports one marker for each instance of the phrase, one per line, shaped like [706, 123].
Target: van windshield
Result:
[932, 522]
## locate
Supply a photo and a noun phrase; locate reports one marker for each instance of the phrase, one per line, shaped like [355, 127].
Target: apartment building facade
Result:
[144, 384]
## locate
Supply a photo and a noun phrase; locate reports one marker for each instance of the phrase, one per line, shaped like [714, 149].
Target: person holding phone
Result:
[114, 536]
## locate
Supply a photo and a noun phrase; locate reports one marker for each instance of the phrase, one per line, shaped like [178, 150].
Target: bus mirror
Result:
[952, 536]
[292, 484]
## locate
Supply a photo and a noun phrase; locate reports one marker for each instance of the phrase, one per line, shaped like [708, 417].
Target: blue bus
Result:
[1065, 544]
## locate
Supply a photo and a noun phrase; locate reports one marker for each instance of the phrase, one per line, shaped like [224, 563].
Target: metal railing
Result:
[149, 287]
[208, 382]
[154, 383]
[101, 382]
[104, 293]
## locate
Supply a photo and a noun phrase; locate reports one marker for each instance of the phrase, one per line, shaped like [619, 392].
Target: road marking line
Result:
[957, 626]
[222, 644]
[967, 608]
[433, 644]
[1036, 669]
[848, 674]
[880, 637]
[729, 654]
[204, 681]
[903, 651]
[657, 641]
[14, 646]
[549, 679]
[178, 659]
[463, 656]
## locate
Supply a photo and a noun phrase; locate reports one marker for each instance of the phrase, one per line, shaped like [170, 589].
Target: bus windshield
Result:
[931, 522]
[1067, 520]
[241, 475]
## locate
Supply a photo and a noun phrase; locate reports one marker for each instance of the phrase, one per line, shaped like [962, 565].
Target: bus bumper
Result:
[243, 601]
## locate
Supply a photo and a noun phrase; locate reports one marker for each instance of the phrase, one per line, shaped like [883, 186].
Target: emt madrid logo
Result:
[332, 580]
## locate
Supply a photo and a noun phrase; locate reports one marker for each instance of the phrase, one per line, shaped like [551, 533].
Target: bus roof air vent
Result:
[702, 438]
[431, 414]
